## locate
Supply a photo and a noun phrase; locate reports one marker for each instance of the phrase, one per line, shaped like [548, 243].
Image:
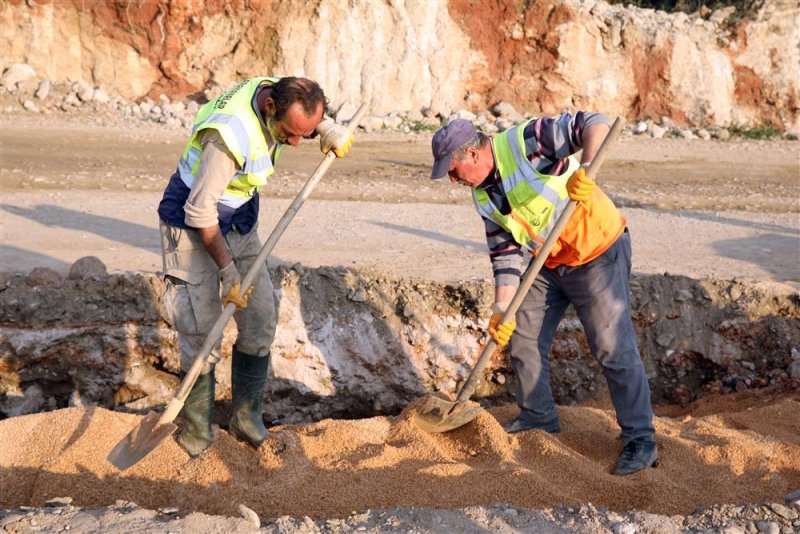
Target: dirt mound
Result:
[330, 468]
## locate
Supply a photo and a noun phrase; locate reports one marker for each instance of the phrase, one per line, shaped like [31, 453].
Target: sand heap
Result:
[334, 467]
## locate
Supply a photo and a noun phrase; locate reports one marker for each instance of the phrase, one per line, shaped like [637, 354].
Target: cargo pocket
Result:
[192, 305]
[178, 306]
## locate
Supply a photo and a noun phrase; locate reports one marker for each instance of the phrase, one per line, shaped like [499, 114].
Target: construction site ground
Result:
[80, 185]
[72, 188]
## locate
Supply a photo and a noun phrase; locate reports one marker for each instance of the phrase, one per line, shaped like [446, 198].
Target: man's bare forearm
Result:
[592, 139]
[215, 245]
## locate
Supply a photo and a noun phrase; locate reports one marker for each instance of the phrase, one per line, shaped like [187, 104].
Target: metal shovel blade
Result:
[440, 415]
[143, 439]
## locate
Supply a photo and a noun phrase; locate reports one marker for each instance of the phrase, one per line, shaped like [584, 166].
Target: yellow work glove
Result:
[231, 282]
[579, 186]
[334, 136]
[501, 332]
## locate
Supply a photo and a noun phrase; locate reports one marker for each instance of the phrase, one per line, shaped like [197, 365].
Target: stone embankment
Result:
[353, 343]
[21, 88]
[429, 59]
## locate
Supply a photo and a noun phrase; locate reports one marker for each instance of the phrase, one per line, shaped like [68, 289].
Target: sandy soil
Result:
[73, 188]
[330, 468]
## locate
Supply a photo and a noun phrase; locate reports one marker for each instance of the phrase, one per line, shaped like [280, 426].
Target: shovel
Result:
[440, 415]
[155, 428]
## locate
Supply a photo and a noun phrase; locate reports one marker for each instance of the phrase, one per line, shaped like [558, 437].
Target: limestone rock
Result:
[18, 72]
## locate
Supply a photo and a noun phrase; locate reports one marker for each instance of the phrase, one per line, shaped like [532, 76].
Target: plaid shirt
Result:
[548, 142]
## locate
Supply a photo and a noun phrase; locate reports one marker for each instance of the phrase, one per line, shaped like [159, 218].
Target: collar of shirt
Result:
[254, 104]
[494, 176]
[271, 143]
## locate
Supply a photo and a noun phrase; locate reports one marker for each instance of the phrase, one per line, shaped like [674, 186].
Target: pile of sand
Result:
[334, 467]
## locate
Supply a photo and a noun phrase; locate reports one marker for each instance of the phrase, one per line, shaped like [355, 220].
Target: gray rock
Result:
[59, 501]
[250, 515]
[358, 295]
[665, 340]
[88, 268]
[723, 134]
[784, 512]
[768, 527]
[506, 111]
[462, 114]
[624, 528]
[372, 123]
[794, 370]
[430, 122]
[83, 90]
[31, 401]
[43, 276]
[657, 132]
[392, 122]
[43, 91]
[101, 97]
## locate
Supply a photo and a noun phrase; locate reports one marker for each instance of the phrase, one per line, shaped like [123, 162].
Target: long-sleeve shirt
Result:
[548, 142]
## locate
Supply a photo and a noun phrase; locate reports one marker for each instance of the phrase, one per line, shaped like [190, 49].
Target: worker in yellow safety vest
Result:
[522, 179]
[209, 217]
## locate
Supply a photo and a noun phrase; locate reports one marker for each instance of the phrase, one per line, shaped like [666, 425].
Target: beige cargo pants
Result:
[192, 301]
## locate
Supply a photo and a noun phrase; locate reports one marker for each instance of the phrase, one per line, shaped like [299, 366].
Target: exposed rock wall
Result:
[356, 343]
[407, 56]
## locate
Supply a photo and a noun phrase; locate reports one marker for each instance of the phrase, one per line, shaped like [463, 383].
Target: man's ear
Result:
[269, 107]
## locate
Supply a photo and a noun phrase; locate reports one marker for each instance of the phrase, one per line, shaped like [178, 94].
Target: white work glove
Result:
[334, 136]
[231, 282]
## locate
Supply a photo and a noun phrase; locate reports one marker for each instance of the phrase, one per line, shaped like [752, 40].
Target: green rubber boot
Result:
[196, 435]
[248, 377]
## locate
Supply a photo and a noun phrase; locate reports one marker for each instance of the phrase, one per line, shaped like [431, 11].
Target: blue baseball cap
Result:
[445, 141]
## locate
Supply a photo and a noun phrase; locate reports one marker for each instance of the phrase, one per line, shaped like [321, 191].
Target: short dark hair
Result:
[290, 89]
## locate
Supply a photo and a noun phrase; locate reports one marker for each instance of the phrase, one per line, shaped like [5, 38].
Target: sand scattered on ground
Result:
[334, 467]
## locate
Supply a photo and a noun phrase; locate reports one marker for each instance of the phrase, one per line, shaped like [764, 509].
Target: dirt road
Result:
[72, 188]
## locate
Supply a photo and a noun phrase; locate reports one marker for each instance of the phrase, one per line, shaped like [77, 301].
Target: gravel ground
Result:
[58, 515]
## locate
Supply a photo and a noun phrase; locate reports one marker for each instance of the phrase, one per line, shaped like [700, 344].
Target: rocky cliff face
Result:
[407, 56]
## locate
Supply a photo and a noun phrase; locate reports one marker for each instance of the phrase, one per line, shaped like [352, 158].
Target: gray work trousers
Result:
[192, 294]
[600, 293]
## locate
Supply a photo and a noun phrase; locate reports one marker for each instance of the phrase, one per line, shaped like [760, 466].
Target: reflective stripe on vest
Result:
[232, 115]
[536, 199]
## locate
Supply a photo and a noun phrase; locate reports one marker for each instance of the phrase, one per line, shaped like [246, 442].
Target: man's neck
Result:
[492, 177]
